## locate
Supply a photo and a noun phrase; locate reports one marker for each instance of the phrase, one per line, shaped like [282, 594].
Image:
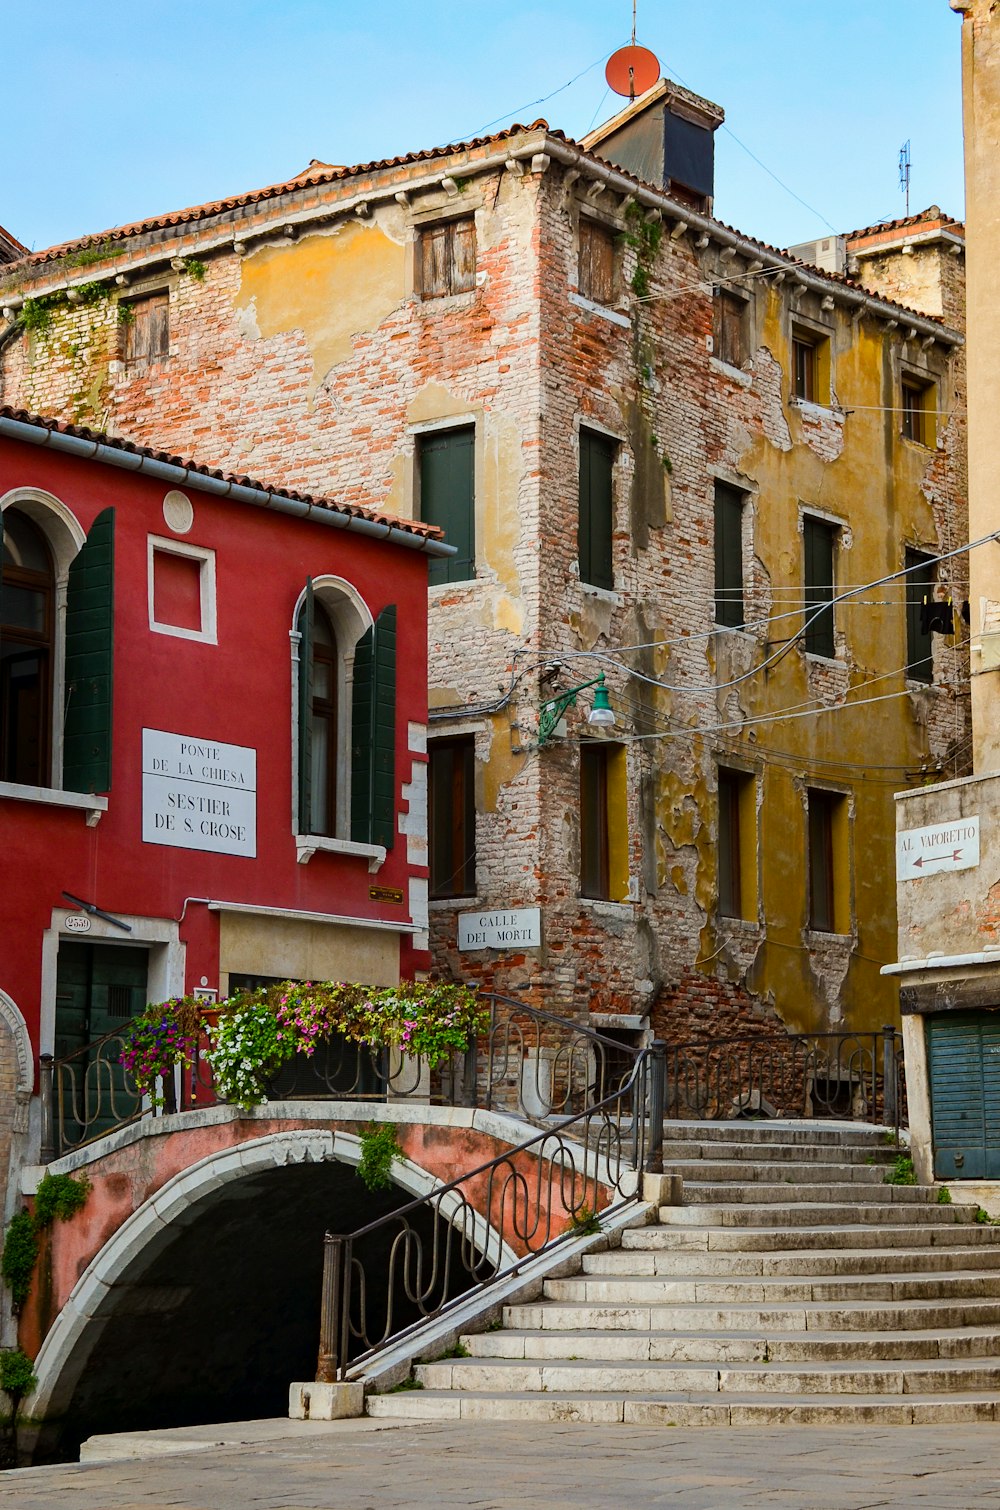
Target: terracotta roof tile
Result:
[117, 443]
[933, 215]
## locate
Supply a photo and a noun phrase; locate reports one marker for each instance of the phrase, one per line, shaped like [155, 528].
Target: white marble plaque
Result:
[939, 846]
[198, 794]
[517, 929]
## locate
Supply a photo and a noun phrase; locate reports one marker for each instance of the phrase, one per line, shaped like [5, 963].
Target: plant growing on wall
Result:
[58, 1196]
[379, 1151]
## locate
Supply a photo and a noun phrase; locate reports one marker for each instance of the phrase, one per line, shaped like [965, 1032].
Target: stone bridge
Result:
[187, 1287]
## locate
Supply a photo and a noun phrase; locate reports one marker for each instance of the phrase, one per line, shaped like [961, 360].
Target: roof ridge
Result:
[121, 443]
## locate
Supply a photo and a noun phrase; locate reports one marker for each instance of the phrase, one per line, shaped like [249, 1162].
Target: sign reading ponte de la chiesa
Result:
[198, 794]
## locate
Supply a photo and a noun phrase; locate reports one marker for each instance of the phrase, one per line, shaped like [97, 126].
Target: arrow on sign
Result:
[954, 855]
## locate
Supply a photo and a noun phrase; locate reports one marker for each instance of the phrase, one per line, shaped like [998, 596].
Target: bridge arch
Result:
[182, 1202]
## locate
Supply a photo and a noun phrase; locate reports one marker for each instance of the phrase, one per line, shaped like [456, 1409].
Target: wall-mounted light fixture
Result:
[601, 715]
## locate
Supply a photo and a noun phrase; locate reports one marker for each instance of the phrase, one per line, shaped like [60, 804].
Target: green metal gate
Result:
[963, 1056]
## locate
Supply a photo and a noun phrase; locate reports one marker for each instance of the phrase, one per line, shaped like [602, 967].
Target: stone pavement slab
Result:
[361, 1465]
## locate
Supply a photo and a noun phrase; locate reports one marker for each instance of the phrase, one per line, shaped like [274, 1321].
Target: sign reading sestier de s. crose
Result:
[198, 794]
[520, 928]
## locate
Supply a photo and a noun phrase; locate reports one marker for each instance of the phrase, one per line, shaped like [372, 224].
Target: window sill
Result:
[443, 904]
[825, 660]
[600, 309]
[811, 410]
[735, 374]
[605, 594]
[437, 589]
[50, 797]
[605, 907]
[827, 936]
[307, 845]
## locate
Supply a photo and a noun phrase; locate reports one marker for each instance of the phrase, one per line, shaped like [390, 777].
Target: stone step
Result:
[810, 1134]
[751, 1192]
[803, 1213]
[759, 1171]
[773, 1290]
[736, 1347]
[598, 1376]
[904, 1315]
[688, 1410]
[686, 1150]
[933, 1235]
[636, 1263]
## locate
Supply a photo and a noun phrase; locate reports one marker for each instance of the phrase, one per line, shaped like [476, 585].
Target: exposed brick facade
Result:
[312, 359]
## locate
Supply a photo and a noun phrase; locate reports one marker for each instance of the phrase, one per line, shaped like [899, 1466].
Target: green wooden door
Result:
[448, 499]
[963, 1054]
[99, 987]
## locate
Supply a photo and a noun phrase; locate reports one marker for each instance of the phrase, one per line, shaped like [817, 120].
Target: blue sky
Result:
[115, 111]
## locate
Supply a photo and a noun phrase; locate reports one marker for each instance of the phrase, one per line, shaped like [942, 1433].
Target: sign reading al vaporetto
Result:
[939, 846]
[198, 793]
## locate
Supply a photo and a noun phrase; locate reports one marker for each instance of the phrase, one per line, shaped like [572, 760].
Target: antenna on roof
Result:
[904, 173]
[632, 70]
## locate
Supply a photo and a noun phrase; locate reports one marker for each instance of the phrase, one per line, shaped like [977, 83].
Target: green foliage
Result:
[259, 1031]
[584, 1222]
[405, 1384]
[92, 293]
[59, 1195]
[944, 1196]
[645, 237]
[126, 313]
[20, 1249]
[379, 1151]
[159, 1038]
[458, 1351]
[92, 254]
[17, 1374]
[496, 1325]
[36, 314]
[902, 1171]
[194, 269]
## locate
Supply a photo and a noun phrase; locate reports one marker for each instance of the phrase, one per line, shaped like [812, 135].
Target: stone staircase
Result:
[794, 1286]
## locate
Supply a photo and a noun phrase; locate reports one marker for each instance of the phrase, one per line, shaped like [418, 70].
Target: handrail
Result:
[536, 1195]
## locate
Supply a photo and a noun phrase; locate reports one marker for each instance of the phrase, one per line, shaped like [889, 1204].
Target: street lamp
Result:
[601, 715]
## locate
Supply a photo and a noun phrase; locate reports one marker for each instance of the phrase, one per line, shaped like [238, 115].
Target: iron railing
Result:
[855, 1077]
[86, 1094]
[416, 1264]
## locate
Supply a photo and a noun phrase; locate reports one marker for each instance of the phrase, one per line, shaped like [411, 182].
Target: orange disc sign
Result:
[632, 70]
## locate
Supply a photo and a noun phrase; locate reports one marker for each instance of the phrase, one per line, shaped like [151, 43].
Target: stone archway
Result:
[125, 1260]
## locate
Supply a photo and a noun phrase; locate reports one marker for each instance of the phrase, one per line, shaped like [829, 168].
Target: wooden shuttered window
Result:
[146, 329]
[447, 258]
[596, 516]
[819, 542]
[730, 854]
[307, 615]
[448, 499]
[823, 809]
[919, 586]
[596, 277]
[373, 734]
[594, 835]
[729, 337]
[90, 661]
[728, 556]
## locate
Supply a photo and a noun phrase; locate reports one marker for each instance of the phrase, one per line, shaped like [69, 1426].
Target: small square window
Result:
[181, 589]
[447, 258]
[918, 411]
[730, 343]
[597, 262]
[145, 325]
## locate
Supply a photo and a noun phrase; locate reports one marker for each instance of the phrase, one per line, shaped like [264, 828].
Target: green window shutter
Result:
[596, 519]
[90, 661]
[448, 499]
[818, 540]
[919, 584]
[728, 556]
[373, 734]
[306, 620]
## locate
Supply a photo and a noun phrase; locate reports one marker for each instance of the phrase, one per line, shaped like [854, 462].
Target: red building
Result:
[213, 703]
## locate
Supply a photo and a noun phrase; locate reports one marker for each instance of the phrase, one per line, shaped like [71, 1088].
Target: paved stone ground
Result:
[360, 1465]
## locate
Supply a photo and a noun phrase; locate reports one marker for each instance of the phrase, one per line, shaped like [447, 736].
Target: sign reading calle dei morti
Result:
[520, 928]
[198, 794]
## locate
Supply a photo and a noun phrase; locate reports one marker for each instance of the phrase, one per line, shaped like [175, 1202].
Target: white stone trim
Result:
[21, 1039]
[306, 845]
[310, 917]
[54, 797]
[208, 634]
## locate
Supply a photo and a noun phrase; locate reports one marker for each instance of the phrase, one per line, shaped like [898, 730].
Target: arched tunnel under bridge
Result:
[212, 1315]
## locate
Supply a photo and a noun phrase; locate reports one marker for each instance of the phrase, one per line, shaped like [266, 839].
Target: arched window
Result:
[346, 711]
[27, 629]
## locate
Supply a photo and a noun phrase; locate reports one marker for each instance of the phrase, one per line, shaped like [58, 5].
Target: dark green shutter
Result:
[373, 734]
[596, 520]
[90, 661]
[448, 499]
[818, 545]
[306, 620]
[918, 585]
[728, 556]
[963, 1051]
